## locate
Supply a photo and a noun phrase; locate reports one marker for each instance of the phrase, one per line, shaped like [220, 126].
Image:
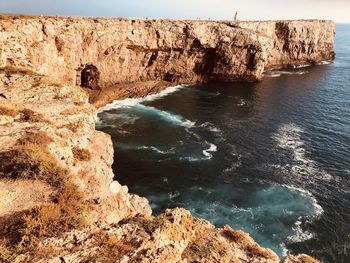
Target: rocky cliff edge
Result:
[58, 200]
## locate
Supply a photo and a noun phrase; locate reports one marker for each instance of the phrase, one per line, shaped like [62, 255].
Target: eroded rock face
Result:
[99, 53]
[127, 50]
[174, 236]
[120, 226]
[34, 105]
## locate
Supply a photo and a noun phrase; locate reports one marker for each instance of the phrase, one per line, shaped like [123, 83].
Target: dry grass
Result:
[28, 115]
[32, 162]
[75, 126]
[307, 259]
[38, 138]
[110, 248]
[6, 255]
[204, 247]
[53, 219]
[251, 248]
[81, 154]
[67, 211]
[8, 111]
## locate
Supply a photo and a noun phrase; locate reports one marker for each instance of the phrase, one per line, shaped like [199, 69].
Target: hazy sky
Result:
[338, 10]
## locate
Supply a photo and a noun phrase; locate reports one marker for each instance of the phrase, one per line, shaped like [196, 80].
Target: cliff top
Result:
[27, 16]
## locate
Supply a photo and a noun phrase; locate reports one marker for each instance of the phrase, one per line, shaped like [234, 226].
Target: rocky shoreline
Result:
[59, 202]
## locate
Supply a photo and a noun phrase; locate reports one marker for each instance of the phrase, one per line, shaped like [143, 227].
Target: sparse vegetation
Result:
[53, 219]
[67, 210]
[203, 247]
[74, 126]
[81, 154]
[241, 238]
[110, 248]
[5, 255]
[38, 138]
[8, 111]
[32, 162]
[28, 115]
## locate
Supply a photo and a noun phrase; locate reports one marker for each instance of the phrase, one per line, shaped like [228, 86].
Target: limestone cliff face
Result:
[127, 50]
[41, 60]
[39, 110]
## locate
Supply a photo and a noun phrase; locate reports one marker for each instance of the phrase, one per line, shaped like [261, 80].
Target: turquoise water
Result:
[270, 158]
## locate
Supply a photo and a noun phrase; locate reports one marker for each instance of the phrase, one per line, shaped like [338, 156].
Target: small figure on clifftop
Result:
[236, 16]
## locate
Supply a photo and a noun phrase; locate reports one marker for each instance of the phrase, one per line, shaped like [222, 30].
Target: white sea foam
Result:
[324, 62]
[207, 154]
[318, 210]
[284, 249]
[211, 127]
[272, 75]
[278, 73]
[241, 102]
[302, 66]
[288, 137]
[137, 106]
[174, 194]
[299, 234]
[155, 149]
[133, 101]
[212, 148]
[299, 72]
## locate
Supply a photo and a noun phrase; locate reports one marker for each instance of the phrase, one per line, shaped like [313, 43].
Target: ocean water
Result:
[271, 158]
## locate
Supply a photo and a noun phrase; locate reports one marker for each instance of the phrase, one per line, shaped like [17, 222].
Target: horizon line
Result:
[168, 18]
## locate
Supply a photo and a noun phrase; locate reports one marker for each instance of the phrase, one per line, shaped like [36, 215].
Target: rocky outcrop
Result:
[58, 198]
[38, 110]
[133, 50]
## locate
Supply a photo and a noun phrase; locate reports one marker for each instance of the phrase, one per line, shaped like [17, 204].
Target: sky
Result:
[337, 10]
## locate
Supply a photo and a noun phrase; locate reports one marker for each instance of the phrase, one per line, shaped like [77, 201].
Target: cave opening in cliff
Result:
[90, 77]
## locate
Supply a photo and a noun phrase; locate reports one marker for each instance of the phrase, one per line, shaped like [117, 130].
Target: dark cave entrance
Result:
[90, 77]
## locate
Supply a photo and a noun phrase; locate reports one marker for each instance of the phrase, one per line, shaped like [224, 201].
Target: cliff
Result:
[58, 200]
[107, 53]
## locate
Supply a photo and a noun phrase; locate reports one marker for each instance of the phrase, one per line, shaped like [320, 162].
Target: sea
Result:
[271, 158]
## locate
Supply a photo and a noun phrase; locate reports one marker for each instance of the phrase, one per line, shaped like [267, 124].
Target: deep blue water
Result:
[271, 158]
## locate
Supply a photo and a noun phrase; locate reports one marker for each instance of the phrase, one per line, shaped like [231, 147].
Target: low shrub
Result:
[81, 154]
[32, 162]
[110, 248]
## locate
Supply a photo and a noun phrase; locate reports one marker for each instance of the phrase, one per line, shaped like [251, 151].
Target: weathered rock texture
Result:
[173, 236]
[65, 116]
[41, 60]
[127, 50]
[120, 228]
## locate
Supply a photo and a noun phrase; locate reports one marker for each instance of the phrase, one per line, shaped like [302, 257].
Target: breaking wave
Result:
[288, 137]
[116, 104]
[278, 73]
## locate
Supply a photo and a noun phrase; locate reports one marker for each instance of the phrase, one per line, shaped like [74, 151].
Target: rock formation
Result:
[133, 50]
[58, 200]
